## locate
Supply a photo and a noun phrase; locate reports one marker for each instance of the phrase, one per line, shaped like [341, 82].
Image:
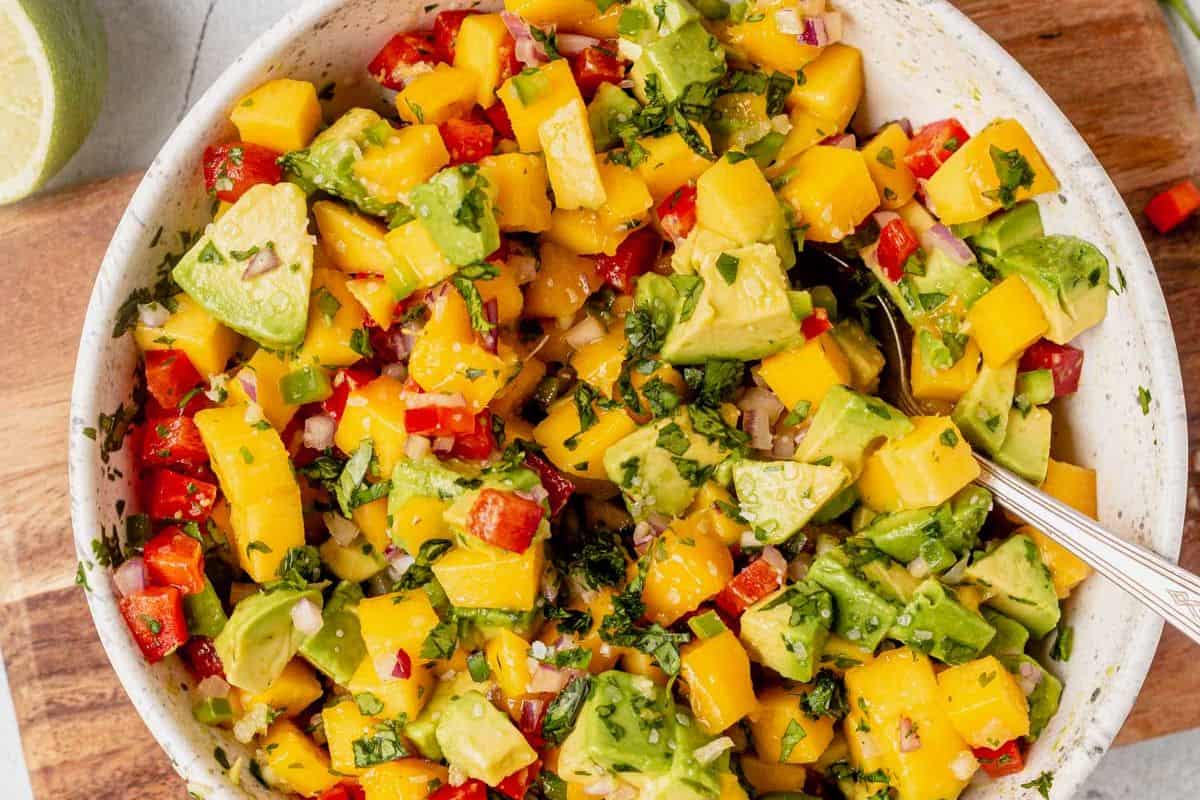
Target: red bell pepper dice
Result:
[593, 66]
[896, 244]
[749, 586]
[1170, 209]
[479, 443]
[445, 33]
[471, 790]
[498, 116]
[505, 520]
[344, 791]
[173, 496]
[677, 213]
[1006, 760]
[200, 657]
[175, 559]
[933, 145]
[173, 442]
[439, 420]
[344, 382]
[155, 618]
[557, 485]
[816, 323]
[389, 66]
[1064, 362]
[231, 170]
[516, 785]
[635, 256]
[170, 377]
[467, 140]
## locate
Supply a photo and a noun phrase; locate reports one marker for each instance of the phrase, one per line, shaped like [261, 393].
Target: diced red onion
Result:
[905, 125]
[395, 371]
[939, 237]
[784, 446]
[588, 330]
[846, 141]
[319, 431]
[537, 494]
[402, 342]
[491, 339]
[755, 423]
[547, 679]
[525, 268]
[919, 568]
[884, 218]
[264, 261]
[787, 20]
[528, 50]
[821, 30]
[416, 447]
[398, 561]
[433, 399]
[910, 741]
[130, 577]
[798, 568]
[443, 444]
[216, 390]
[762, 400]
[153, 315]
[249, 382]
[342, 530]
[571, 43]
[775, 559]
[306, 616]
[213, 686]
[955, 574]
[1028, 677]
[403, 666]
[712, 751]
[643, 535]
[657, 521]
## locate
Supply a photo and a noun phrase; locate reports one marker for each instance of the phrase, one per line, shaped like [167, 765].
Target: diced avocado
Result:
[356, 561]
[227, 272]
[1069, 278]
[742, 310]
[456, 206]
[203, 612]
[890, 580]
[862, 354]
[668, 66]
[786, 631]
[778, 498]
[860, 613]
[1046, 695]
[982, 413]
[1019, 584]
[424, 478]
[1002, 233]
[478, 739]
[837, 505]
[970, 509]
[1011, 636]
[337, 649]
[944, 276]
[481, 624]
[422, 731]
[1026, 448]
[609, 109]
[688, 779]
[328, 163]
[661, 466]
[1034, 388]
[260, 638]
[845, 427]
[213, 711]
[907, 535]
[661, 18]
[937, 624]
[739, 120]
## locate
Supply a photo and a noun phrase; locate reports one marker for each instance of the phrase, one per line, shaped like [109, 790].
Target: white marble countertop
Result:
[164, 53]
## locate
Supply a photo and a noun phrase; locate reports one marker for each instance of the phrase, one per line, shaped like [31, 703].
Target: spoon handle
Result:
[1171, 591]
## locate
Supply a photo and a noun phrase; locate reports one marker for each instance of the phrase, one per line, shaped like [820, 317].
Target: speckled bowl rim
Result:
[184, 749]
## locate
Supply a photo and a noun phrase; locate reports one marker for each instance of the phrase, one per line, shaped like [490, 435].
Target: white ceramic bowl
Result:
[925, 60]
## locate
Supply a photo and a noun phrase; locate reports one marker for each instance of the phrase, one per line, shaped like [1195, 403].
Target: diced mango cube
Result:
[507, 293]
[566, 139]
[420, 262]
[831, 191]
[833, 85]
[375, 411]
[599, 363]
[778, 711]
[635, 662]
[626, 197]
[885, 161]
[930, 383]
[282, 114]
[984, 702]
[807, 372]
[1006, 320]
[760, 40]
[522, 186]
[372, 519]
[208, 344]
[1075, 486]
[434, 97]
[264, 371]
[563, 283]
[717, 672]
[329, 339]
[686, 569]
[582, 231]
[564, 13]
[768, 776]
[481, 42]
[670, 163]
[376, 299]
[925, 468]
[709, 516]
[586, 458]
[735, 201]
[294, 690]
[808, 130]
[343, 723]
[396, 621]
[409, 157]
[446, 358]
[519, 388]
[397, 695]
[295, 761]
[418, 520]
[491, 578]
[406, 779]
[531, 98]
[508, 657]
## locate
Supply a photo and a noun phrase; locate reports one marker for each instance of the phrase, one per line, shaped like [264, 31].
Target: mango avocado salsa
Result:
[503, 440]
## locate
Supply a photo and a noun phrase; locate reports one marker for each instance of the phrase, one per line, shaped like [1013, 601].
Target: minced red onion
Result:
[905, 125]
[264, 261]
[955, 574]
[433, 399]
[249, 382]
[306, 616]
[910, 741]
[884, 218]
[398, 561]
[643, 535]
[525, 268]
[713, 750]
[1028, 677]
[784, 446]
[443, 444]
[537, 494]
[213, 686]
[755, 423]
[571, 43]
[820, 30]
[774, 559]
[798, 568]
[939, 237]
[763, 400]
[130, 577]
[403, 666]
[319, 431]
[919, 568]
[153, 315]
[416, 447]
[658, 522]
[402, 342]
[547, 679]
[585, 332]
[342, 530]
[787, 20]
[528, 50]
[846, 141]
[395, 371]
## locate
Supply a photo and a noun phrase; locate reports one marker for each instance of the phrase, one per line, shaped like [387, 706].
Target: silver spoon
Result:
[1166, 588]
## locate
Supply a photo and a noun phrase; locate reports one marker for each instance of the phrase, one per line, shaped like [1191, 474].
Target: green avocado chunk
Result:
[338, 648]
[668, 66]
[916, 295]
[1019, 583]
[863, 355]
[422, 731]
[1034, 388]
[861, 613]
[1046, 694]
[456, 207]
[939, 535]
[787, 630]
[252, 269]
[1011, 636]
[260, 638]
[846, 425]
[1026, 448]
[662, 18]
[480, 740]
[937, 624]
[1002, 233]
[778, 498]
[889, 579]
[610, 109]
[203, 612]
[1069, 278]
[982, 413]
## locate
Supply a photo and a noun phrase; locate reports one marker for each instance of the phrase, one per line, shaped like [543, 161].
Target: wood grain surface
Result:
[1111, 67]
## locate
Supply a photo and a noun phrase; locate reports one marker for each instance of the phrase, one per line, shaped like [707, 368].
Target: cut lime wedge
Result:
[53, 67]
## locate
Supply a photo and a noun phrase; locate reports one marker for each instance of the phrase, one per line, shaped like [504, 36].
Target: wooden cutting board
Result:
[1112, 68]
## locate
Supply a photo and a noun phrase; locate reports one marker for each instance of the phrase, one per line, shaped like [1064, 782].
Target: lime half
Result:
[53, 67]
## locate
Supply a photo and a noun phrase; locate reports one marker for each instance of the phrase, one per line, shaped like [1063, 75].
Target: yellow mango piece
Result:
[397, 695]
[967, 187]
[396, 621]
[778, 709]
[898, 686]
[282, 114]
[522, 190]
[833, 85]
[507, 293]
[565, 13]
[294, 690]
[1075, 486]
[434, 97]
[670, 163]
[688, 568]
[706, 513]
[545, 92]
[413, 248]
[885, 161]
[586, 460]
[925, 468]
[831, 191]
[731, 788]
[864, 753]
[353, 242]
[406, 779]
[272, 521]
[264, 371]
[598, 363]
[409, 157]
[984, 702]
[566, 139]
[296, 763]
[417, 521]
[627, 199]
[929, 383]
[374, 411]
[508, 657]
[563, 283]
[807, 131]
[635, 662]
[717, 673]
[509, 400]
[768, 776]
[443, 357]
[604, 655]
[343, 723]
[207, 343]
[491, 578]
[582, 231]
[762, 42]
[478, 50]
[735, 201]
[328, 339]
[599, 25]
[376, 299]
[372, 520]
[970, 596]
[1006, 320]
[807, 372]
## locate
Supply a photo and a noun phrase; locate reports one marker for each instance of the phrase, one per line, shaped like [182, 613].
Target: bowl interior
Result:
[924, 61]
